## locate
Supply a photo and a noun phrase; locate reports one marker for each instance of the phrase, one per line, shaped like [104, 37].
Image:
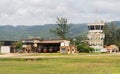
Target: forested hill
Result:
[9, 32]
[117, 23]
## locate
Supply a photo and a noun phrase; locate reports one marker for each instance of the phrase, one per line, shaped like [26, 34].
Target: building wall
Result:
[65, 43]
[96, 39]
[68, 49]
[5, 49]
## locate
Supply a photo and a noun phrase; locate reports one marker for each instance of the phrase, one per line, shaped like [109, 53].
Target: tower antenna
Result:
[96, 15]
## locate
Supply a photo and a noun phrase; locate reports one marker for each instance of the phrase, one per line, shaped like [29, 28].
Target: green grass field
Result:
[67, 64]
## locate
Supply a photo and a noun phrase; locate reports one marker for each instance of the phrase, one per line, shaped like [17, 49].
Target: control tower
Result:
[96, 36]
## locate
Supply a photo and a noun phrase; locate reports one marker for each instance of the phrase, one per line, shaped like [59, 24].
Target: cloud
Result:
[38, 12]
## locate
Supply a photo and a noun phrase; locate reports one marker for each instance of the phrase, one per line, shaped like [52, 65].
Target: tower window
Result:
[101, 27]
[97, 27]
[91, 27]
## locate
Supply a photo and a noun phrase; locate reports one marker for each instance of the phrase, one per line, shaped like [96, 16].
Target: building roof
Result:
[52, 41]
[96, 23]
[42, 41]
[112, 47]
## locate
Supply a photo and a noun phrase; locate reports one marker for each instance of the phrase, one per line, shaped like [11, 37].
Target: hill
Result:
[9, 32]
[117, 23]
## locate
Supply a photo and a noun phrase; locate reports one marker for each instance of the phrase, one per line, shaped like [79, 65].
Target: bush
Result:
[84, 48]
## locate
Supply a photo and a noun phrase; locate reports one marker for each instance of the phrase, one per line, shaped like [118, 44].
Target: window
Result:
[92, 28]
[97, 27]
[101, 27]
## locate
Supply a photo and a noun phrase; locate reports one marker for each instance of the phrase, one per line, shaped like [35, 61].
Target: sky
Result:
[40, 12]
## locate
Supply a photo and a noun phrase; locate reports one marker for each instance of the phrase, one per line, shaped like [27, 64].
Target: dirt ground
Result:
[12, 55]
[29, 55]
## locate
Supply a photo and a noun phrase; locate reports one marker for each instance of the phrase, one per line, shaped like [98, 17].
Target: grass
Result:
[69, 64]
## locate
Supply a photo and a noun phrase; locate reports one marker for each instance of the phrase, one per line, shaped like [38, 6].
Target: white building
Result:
[5, 49]
[96, 36]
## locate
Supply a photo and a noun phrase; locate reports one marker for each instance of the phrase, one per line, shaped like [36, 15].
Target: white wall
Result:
[5, 49]
[65, 43]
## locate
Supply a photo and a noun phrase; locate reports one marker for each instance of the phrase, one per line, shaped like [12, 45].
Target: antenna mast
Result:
[96, 15]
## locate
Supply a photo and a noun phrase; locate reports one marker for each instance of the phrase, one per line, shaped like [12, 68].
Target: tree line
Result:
[112, 34]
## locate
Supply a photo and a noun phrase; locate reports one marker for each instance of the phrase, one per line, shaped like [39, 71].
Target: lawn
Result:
[67, 64]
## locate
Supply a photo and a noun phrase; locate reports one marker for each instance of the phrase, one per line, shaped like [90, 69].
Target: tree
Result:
[111, 33]
[62, 28]
[84, 47]
[1, 43]
[17, 46]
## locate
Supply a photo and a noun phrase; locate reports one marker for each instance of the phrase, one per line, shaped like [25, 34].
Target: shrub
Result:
[84, 48]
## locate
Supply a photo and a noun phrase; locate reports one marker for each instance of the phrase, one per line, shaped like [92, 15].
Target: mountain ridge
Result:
[9, 32]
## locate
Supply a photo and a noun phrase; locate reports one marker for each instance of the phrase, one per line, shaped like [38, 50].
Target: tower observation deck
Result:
[96, 36]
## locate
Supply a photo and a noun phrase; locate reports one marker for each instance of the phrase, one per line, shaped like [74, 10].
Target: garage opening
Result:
[48, 47]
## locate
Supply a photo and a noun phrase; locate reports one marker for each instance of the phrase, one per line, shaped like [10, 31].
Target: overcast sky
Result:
[39, 12]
